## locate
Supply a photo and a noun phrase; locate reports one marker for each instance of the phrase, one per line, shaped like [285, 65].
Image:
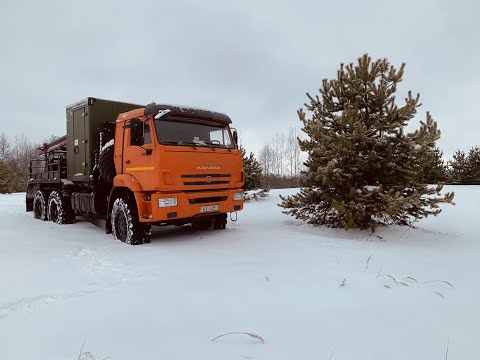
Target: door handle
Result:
[127, 161]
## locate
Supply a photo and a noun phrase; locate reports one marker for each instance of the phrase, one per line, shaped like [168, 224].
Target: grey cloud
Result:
[252, 59]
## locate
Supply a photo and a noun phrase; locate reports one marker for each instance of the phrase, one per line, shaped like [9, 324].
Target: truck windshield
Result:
[197, 132]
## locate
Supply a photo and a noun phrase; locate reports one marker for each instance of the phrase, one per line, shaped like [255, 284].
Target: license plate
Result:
[209, 208]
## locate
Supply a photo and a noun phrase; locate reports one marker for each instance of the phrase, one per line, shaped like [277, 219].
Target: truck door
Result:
[139, 156]
[79, 146]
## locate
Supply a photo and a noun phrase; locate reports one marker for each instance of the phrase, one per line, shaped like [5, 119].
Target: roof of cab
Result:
[179, 110]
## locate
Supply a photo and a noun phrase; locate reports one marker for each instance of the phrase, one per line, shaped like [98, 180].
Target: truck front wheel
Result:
[125, 224]
[59, 210]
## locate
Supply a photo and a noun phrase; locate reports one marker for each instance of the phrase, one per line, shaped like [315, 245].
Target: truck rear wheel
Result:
[39, 208]
[59, 210]
[106, 165]
[125, 224]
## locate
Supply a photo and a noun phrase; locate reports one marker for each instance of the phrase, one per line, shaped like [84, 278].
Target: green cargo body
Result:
[84, 121]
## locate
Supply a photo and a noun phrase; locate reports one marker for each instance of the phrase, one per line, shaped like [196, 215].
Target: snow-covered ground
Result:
[267, 274]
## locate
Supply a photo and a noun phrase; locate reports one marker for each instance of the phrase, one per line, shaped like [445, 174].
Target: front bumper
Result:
[188, 205]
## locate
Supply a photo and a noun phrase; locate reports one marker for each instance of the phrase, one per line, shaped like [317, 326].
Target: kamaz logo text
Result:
[208, 167]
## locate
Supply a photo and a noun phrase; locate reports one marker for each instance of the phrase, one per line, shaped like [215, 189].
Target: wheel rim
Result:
[121, 227]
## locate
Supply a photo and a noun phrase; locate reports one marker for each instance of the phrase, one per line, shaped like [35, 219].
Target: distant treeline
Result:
[15, 155]
[281, 161]
[462, 169]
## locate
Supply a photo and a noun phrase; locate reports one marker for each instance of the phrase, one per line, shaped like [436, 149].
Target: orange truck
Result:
[137, 166]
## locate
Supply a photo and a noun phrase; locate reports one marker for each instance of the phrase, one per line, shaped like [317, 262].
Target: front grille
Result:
[207, 199]
[205, 182]
[196, 176]
[189, 191]
[206, 179]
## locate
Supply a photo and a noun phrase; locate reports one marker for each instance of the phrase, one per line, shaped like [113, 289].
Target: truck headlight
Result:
[166, 202]
[238, 196]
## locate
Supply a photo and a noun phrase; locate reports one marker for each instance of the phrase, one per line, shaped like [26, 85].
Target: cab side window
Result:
[140, 133]
[136, 132]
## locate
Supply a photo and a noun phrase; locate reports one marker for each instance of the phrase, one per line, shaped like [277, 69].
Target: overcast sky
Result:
[253, 60]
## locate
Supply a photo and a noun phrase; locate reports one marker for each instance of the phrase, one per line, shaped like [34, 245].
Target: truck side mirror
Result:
[235, 136]
[136, 132]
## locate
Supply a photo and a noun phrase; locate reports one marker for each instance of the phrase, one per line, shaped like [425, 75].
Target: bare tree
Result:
[293, 152]
[290, 150]
[5, 147]
[266, 158]
[22, 152]
[278, 147]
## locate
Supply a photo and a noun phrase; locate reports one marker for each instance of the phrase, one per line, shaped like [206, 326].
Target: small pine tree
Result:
[458, 170]
[363, 168]
[252, 171]
[473, 167]
[19, 183]
[436, 171]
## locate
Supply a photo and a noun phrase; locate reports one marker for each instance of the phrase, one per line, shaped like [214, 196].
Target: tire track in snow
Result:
[29, 303]
[92, 263]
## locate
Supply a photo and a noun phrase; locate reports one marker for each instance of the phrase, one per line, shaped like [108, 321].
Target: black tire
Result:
[203, 223]
[39, 206]
[125, 224]
[59, 210]
[31, 191]
[220, 222]
[106, 165]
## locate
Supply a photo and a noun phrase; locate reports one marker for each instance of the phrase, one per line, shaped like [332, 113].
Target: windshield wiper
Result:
[214, 144]
[219, 146]
[190, 143]
[179, 143]
[195, 144]
[170, 142]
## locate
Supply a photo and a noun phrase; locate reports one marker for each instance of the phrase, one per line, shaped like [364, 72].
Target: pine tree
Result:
[458, 168]
[363, 168]
[436, 171]
[252, 171]
[472, 176]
